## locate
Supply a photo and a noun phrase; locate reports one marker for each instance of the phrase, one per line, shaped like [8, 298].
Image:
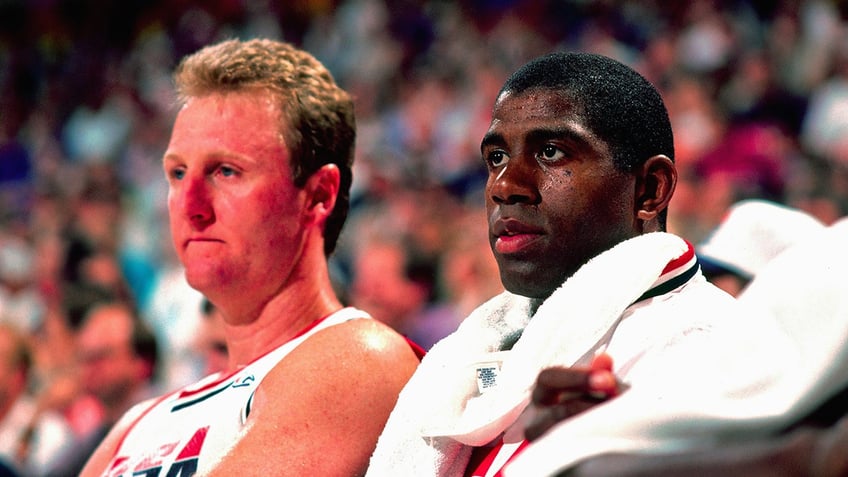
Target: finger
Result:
[603, 382]
[602, 361]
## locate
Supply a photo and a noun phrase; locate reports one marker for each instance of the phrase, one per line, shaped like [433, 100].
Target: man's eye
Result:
[226, 171]
[497, 158]
[177, 174]
[551, 153]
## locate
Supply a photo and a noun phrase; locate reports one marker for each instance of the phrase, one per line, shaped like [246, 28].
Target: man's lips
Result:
[200, 240]
[513, 236]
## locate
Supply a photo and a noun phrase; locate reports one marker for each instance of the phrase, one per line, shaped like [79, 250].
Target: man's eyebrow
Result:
[491, 138]
[221, 155]
[570, 134]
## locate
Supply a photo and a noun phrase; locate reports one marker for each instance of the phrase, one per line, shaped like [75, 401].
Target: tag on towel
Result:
[487, 375]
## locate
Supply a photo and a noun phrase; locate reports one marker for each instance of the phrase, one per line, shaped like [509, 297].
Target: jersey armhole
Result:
[416, 348]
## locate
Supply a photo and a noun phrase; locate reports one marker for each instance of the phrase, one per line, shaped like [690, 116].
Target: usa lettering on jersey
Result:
[151, 465]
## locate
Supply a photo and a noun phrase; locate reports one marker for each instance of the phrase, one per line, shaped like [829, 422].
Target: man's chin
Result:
[528, 285]
[199, 280]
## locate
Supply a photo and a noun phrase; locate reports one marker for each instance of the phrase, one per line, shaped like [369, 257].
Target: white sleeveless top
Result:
[190, 429]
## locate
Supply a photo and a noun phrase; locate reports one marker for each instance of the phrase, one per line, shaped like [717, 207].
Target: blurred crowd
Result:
[757, 93]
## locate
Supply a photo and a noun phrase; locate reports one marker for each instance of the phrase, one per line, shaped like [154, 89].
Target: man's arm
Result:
[320, 411]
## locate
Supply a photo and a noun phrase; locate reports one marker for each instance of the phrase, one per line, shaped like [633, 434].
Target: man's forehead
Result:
[539, 103]
[542, 109]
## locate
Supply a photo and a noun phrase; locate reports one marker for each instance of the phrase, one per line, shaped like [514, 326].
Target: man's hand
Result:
[564, 392]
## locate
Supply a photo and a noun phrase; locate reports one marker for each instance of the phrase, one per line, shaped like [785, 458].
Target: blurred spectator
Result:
[21, 303]
[211, 340]
[97, 208]
[97, 129]
[16, 163]
[749, 162]
[390, 282]
[31, 437]
[698, 127]
[467, 276]
[752, 94]
[707, 39]
[174, 314]
[118, 359]
[826, 124]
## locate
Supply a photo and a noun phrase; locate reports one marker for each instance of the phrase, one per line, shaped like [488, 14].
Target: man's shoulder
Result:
[348, 345]
[361, 336]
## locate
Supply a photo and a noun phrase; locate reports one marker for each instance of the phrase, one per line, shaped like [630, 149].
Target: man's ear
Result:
[655, 183]
[323, 189]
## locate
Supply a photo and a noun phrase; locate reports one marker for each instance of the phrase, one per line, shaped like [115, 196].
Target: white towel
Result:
[440, 414]
[804, 289]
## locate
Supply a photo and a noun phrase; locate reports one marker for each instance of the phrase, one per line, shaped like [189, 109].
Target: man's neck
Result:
[280, 320]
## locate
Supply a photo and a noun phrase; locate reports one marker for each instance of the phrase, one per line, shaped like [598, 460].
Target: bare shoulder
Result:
[367, 336]
[361, 363]
[365, 349]
[326, 402]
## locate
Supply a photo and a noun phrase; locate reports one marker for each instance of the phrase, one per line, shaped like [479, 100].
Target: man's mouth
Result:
[513, 236]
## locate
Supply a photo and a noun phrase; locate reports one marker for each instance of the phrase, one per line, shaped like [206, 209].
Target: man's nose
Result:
[515, 183]
[196, 200]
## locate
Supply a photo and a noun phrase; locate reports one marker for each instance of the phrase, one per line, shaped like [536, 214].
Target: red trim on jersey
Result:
[309, 327]
[416, 348]
[485, 465]
[680, 261]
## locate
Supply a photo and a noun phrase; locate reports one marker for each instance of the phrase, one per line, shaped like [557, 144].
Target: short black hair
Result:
[619, 105]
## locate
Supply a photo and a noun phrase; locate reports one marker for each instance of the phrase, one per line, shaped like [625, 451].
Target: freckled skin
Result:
[548, 171]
